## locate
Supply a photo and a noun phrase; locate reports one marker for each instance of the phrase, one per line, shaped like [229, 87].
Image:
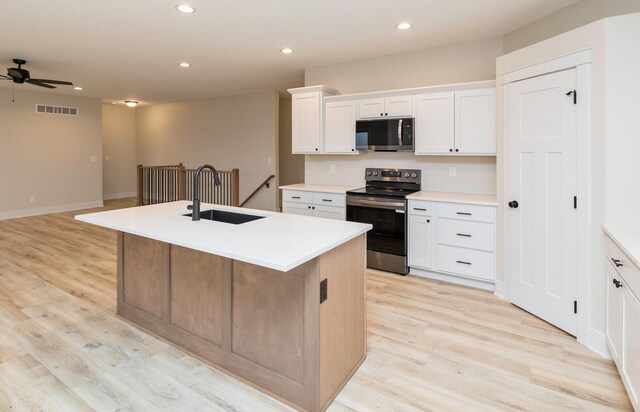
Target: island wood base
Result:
[264, 326]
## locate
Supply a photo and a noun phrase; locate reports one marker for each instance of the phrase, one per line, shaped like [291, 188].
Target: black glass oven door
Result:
[388, 219]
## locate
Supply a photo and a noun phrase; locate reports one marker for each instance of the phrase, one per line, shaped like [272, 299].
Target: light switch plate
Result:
[452, 172]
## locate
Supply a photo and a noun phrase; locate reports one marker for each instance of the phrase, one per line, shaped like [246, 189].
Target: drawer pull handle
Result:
[617, 283]
[463, 262]
[463, 234]
[327, 200]
[295, 197]
[463, 213]
[617, 262]
[419, 208]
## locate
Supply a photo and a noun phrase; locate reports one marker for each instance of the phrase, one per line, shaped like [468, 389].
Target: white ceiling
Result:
[130, 49]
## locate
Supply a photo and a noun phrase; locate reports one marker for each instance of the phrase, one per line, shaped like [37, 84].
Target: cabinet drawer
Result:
[474, 235]
[329, 199]
[420, 208]
[298, 196]
[294, 208]
[467, 212]
[472, 263]
[624, 266]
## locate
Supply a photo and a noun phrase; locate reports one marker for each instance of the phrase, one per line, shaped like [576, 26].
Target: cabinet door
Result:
[330, 212]
[398, 106]
[297, 208]
[369, 108]
[434, 132]
[340, 127]
[475, 130]
[305, 122]
[420, 242]
[631, 345]
[614, 313]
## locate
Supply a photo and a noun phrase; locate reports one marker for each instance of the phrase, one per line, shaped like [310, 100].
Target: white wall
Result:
[467, 62]
[48, 156]
[229, 132]
[290, 166]
[119, 151]
[571, 17]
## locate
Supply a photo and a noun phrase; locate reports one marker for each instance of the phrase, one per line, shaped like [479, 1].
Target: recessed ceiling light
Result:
[131, 103]
[185, 64]
[287, 50]
[77, 88]
[403, 26]
[185, 8]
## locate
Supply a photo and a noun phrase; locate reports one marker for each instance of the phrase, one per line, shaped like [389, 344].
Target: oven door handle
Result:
[376, 204]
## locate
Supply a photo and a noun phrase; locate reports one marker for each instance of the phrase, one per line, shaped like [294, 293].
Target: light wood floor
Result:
[432, 346]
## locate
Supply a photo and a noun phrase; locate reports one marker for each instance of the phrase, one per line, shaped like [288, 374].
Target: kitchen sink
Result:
[227, 217]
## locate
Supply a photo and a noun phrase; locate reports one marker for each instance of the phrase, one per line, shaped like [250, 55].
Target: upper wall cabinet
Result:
[460, 122]
[396, 106]
[307, 119]
[340, 127]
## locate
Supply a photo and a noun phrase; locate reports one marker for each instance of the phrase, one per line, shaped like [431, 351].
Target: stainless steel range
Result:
[382, 203]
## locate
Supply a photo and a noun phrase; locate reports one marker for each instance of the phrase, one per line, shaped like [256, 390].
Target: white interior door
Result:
[541, 233]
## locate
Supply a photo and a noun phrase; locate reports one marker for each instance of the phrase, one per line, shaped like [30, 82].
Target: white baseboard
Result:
[49, 209]
[459, 280]
[598, 343]
[500, 290]
[120, 195]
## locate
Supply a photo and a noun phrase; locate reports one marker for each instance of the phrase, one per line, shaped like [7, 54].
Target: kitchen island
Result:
[278, 302]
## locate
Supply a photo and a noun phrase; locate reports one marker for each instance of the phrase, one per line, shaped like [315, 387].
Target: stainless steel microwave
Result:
[385, 135]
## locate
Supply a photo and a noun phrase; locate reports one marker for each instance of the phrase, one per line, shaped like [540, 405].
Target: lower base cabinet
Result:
[453, 240]
[623, 319]
[317, 204]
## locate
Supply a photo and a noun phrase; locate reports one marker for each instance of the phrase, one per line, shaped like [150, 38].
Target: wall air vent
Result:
[66, 111]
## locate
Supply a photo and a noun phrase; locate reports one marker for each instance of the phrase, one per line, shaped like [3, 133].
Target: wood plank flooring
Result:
[431, 346]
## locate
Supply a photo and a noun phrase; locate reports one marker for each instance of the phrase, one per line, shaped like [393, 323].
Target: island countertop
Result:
[279, 241]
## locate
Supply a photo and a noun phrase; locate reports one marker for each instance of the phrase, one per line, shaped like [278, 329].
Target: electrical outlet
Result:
[32, 199]
[332, 168]
[93, 159]
[106, 157]
[269, 160]
[452, 172]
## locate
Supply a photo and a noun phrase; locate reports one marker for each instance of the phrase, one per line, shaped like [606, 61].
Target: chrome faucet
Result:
[195, 216]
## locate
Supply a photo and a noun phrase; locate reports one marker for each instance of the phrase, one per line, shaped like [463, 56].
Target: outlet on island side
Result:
[452, 171]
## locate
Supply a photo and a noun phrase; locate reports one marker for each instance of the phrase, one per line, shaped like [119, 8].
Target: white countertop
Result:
[279, 241]
[484, 200]
[627, 238]
[310, 187]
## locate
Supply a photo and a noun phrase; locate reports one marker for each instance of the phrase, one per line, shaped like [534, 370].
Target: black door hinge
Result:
[575, 202]
[575, 96]
[323, 290]
[575, 306]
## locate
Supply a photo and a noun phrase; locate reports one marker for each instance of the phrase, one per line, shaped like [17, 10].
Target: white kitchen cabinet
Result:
[623, 317]
[458, 122]
[475, 115]
[434, 123]
[420, 235]
[307, 118]
[395, 106]
[317, 204]
[453, 241]
[340, 127]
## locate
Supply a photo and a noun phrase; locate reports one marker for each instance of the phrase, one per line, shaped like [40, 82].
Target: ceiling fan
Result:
[20, 75]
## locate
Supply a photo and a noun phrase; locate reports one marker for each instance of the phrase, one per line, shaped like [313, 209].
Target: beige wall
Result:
[458, 63]
[466, 62]
[119, 151]
[576, 15]
[290, 166]
[230, 132]
[48, 156]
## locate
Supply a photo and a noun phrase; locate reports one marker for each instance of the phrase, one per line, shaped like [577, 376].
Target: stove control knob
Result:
[375, 173]
[414, 175]
[369, 173]
[407, 174]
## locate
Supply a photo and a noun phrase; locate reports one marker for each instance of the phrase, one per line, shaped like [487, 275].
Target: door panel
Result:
[542, 175]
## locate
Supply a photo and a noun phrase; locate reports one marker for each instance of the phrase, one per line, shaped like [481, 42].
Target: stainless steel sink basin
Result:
[227, 217]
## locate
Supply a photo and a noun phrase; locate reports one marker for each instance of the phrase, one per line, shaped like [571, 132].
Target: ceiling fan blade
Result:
[53, 81]
[3, 77]
[38, 83]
